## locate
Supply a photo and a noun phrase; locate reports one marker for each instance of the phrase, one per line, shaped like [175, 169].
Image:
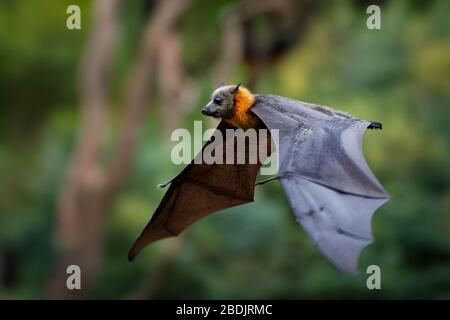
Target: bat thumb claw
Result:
[375, 125]
[163, 185]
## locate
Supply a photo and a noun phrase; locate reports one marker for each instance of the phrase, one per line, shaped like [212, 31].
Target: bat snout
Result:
[207, 111]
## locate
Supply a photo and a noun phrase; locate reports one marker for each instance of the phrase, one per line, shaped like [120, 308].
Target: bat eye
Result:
[217, 100]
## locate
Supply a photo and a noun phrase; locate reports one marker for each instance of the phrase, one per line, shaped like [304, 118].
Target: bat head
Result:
[222, 101]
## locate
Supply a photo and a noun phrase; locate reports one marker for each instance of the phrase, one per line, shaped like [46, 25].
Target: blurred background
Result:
[86, 117]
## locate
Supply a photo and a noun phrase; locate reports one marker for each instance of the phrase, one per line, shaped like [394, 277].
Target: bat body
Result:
[330, 187]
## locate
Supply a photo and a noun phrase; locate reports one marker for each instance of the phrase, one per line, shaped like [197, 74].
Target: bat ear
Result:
[235, 89]
[221, 85]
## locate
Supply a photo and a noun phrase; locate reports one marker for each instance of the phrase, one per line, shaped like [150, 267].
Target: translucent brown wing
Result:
[199, 190]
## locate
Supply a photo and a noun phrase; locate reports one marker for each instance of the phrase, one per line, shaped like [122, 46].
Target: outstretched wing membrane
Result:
[330, 187]
[199, 190]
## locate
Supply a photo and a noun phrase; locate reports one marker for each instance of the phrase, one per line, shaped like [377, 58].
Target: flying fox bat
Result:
[330, 187]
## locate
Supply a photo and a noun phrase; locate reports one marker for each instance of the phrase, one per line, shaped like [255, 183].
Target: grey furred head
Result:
[221, 103]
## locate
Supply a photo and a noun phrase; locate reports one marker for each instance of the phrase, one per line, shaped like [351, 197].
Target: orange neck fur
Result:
[242, 116]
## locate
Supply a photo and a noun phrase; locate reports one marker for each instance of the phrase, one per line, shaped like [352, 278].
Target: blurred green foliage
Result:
[399, 75]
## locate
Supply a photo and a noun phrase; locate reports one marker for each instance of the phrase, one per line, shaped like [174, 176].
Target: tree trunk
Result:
[80, 215]
[91, 185]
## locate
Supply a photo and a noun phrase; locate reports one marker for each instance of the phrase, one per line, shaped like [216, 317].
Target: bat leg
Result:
[375, 125]
[266, 180]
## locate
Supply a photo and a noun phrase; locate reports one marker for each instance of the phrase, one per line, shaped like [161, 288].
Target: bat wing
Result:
[199, 190]
[328, 183]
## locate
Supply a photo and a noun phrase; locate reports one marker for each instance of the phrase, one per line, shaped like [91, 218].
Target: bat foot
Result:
[265, 181]
[375, 125]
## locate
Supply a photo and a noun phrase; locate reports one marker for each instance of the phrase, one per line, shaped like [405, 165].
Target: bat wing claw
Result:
[375, 125]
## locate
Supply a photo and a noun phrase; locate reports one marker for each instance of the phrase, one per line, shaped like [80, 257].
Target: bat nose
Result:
[205, 111]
